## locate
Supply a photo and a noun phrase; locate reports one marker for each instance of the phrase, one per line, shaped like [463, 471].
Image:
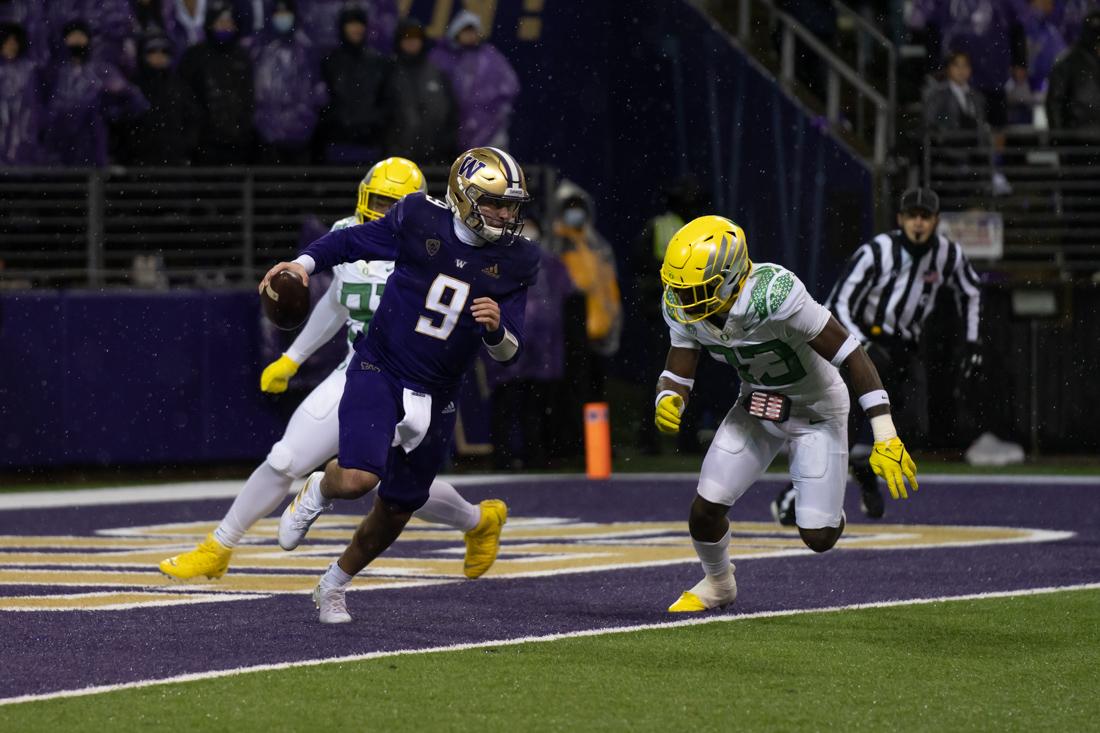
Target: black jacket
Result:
[942, 110]
[168, 133]
[424, 121]
[220, 77]
[1073, 92]
[357, 110]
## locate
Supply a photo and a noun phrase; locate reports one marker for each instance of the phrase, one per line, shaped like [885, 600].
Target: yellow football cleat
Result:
[688, 602]
[706, 594]
[210, 558]
[483, 541]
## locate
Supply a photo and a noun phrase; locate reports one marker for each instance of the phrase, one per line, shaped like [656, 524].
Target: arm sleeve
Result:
[858, 276]
[968, 295]
[325, 320]
[375, 240]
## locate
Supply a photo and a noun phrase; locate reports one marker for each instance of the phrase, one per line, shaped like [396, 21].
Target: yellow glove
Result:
[277, 374]
[669, 408]
[892, 462]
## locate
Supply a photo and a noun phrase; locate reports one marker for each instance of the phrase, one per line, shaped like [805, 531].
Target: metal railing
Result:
[845, 109]
[1043, 183]
[172, 226]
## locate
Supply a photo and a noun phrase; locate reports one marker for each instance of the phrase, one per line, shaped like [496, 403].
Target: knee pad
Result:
[281, 458]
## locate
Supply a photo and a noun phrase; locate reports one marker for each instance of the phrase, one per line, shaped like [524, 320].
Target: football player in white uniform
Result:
[312, 435]
[787, 348]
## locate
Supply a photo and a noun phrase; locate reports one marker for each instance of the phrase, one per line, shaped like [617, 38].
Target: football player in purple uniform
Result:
[459, 284]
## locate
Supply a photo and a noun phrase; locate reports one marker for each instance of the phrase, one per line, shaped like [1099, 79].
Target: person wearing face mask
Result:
[84, 96]
[591, 264]
[219, 73]
[109, 21]
[354, 122]
[424, 117]
[289, 90]
[884, 296]
[485, 85]
[20, 106]
[166, 134]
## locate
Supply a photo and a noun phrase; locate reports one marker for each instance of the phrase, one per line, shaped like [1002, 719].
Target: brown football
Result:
[286, 301]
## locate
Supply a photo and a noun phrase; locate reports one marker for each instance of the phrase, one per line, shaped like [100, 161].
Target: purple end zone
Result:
[61, 650]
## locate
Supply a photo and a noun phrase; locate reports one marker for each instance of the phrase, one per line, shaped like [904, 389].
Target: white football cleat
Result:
[331, 604]
[302, 512]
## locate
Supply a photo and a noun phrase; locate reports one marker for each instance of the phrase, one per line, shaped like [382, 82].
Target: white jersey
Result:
[352, 298]
[765, 338]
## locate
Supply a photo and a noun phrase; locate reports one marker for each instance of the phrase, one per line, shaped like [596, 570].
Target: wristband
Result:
[674, 377]
[882, 427]
[505, 348]
[850, 344]
[666, 392]
[874, 399]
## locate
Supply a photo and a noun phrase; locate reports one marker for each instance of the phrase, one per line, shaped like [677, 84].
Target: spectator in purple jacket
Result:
[484, 83]
[988, 31]
[110, 21]
[20, 106]
[289, 89]
[85, 95]
[30, 15]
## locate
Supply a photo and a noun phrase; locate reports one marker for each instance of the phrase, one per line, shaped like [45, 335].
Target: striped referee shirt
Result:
[884, 290]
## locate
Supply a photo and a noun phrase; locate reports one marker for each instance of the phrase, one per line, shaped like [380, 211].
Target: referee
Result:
[885, 294]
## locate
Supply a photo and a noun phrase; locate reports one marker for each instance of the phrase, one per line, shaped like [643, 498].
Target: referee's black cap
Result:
[920, 198]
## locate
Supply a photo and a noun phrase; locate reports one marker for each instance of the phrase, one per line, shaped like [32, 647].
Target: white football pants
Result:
[312, 437]
[744, 447]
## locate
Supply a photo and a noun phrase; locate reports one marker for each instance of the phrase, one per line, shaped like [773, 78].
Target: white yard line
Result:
[161, 493]
[693, 621]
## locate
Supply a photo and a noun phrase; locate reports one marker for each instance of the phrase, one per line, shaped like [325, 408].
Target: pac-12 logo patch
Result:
[432, 245]
[470, 166]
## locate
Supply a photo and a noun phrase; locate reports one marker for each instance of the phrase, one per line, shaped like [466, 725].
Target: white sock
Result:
[334, 577]
[314, 495]
[262, 492]
[447, 507]
[715, 557]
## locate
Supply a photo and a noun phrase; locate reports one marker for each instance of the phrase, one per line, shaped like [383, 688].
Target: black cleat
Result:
[870, 498]
[783, 506]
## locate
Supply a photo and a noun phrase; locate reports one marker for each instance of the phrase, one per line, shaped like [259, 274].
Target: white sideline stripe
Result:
[695, 621]
[160, 493]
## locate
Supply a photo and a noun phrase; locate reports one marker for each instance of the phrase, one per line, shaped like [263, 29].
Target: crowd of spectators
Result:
[217, 82]
[1015, 53]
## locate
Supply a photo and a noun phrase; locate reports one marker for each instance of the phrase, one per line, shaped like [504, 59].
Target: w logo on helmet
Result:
[470, 166]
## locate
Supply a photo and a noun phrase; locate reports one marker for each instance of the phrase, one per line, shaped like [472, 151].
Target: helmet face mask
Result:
[489, 179]
[705, 268]
[385, 183]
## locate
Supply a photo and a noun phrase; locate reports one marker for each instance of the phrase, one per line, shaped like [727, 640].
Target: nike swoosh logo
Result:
[815, 422]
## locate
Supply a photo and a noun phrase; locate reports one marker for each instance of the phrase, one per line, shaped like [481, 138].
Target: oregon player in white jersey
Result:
[787, 348]
[312, 435]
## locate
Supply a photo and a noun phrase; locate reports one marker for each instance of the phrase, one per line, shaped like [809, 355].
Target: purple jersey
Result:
[423, 332]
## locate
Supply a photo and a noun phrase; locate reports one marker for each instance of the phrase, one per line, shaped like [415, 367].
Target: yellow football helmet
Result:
[705, 267]
[487, 175]
[386, 182]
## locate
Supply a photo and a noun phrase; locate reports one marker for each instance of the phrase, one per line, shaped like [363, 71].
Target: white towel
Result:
[410, 432]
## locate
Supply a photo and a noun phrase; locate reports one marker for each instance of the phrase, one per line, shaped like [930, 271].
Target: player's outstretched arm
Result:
[889, 458]
[673, 388]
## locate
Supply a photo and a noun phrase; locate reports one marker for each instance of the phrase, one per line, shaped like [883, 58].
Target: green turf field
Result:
[1025, 663]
